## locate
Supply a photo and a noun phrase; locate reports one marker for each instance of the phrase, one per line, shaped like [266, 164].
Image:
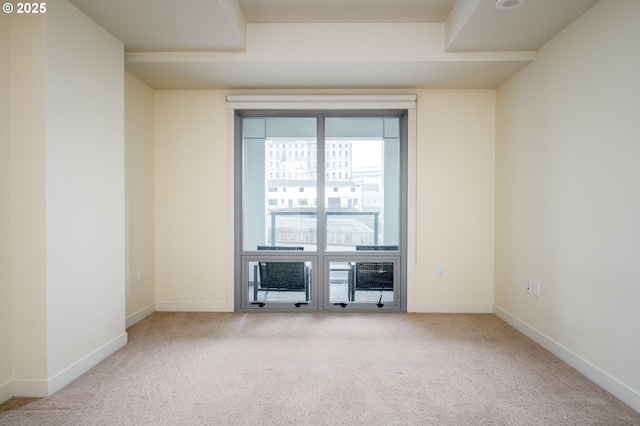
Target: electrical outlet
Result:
[536, 288]
[139, 275]
[529, 285]
[440, 271]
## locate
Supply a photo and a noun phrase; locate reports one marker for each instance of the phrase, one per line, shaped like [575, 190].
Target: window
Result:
[341, 230]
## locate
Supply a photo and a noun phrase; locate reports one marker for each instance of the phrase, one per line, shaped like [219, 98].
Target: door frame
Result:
[321, 258]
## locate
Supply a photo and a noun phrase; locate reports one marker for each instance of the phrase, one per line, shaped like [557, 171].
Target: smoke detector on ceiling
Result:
[509, 4]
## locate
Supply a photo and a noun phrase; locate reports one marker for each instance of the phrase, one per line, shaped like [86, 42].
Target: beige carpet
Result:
[326, 369]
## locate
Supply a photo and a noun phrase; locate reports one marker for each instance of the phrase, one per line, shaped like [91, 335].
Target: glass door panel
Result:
[279, 211]
[274, 281]
[363, 281]
[279, 183]
[362, 182]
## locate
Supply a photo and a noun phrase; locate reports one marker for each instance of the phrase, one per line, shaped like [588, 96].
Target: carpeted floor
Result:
[325, 369]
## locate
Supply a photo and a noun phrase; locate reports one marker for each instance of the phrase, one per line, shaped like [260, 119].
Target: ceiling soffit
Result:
[329, 43]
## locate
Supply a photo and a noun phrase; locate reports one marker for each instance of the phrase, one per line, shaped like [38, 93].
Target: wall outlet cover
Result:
[536, 288]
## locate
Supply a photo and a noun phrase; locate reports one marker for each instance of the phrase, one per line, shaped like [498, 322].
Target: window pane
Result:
[362, 185]
[361, 282]
[275, 281]
[278, 183]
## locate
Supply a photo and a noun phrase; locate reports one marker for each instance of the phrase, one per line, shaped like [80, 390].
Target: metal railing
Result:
[275, 215]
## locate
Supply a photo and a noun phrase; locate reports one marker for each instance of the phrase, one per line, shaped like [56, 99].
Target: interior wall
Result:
[85, 199]
[6, 335]
[455, 200]
[568, 204]
[27, 204]
[194, 172]
[191, 189]
[139, 177]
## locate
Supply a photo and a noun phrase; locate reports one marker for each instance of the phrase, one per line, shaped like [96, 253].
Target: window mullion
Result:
[321, 185]
[320, 207]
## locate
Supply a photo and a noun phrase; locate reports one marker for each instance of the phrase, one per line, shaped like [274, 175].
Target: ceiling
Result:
[312, 44]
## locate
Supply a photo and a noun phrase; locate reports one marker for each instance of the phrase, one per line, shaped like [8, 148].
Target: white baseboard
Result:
[6, 391]
[140, 315]
[621, 391]
[31, 388]
[193, 307]
[74, 371]
[453, 308]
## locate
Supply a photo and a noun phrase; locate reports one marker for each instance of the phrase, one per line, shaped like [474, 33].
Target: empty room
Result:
[320, 212]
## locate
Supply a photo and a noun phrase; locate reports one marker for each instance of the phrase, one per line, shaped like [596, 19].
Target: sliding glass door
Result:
[279, 211]
[320, 198]
[362, 210]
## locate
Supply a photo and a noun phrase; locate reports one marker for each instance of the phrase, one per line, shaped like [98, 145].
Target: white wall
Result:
[63, 257]
[567, 197]
[62, 216]
[85, 226]
[192, 166]
[6, 335]
[194, 172]
[455, 200]
[139, 156]
[27, 204]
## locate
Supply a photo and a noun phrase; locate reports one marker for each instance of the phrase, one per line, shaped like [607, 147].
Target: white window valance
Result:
[321, 102]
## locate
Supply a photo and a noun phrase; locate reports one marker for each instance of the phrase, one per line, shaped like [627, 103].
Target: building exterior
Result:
[292, 174]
